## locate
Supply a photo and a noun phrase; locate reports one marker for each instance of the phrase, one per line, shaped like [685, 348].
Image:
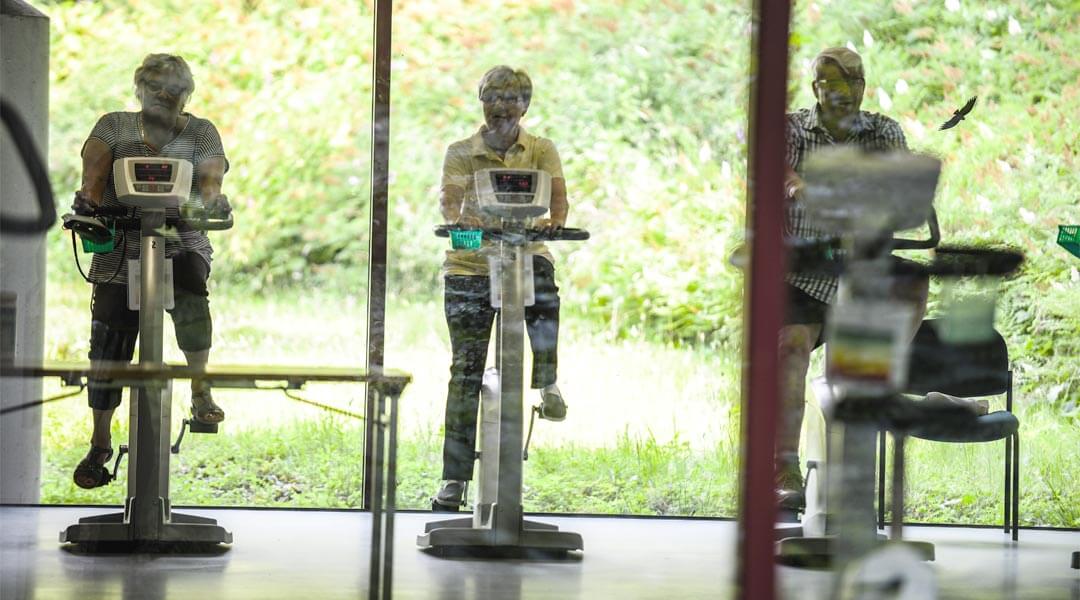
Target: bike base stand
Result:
[458, 537]
[170, 530]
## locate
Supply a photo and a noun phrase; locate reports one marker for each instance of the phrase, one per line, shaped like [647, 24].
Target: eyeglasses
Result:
[839, 84]
[155, 87]
[506, 98]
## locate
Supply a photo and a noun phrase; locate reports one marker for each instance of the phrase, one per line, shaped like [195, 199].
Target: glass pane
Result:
[288, 89]
[652, 154]
[974, 86]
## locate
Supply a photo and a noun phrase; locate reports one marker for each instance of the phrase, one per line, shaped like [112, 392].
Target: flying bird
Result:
[958, 115]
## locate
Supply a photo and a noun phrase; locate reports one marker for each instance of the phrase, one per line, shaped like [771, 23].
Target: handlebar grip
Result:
[210, 223]
[569, 234]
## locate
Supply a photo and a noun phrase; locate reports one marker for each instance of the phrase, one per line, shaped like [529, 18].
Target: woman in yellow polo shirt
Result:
[500, 143]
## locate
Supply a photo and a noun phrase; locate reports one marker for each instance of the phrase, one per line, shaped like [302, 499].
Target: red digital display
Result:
[511, 183]
[153, 171]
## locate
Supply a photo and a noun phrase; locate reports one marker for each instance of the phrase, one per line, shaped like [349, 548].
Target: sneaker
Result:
[452, 494]
[789, 487]
[552, 406]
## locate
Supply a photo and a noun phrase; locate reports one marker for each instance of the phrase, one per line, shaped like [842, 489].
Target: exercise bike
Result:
[863, 200]
[152, 185]
[497, 527]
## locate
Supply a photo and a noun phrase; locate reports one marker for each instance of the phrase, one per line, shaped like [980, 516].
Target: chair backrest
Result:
[965, 370]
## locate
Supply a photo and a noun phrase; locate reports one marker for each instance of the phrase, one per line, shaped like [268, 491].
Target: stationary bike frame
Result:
[148, 516]
[497, 524]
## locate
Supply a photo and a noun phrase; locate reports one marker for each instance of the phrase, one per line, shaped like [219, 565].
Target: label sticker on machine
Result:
[134, 286]
[867, 345]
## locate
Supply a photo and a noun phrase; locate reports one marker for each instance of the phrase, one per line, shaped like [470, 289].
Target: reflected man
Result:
[504, 94]
[836, 118]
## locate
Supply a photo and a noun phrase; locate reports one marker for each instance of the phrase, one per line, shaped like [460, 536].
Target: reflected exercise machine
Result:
[151, 185]
[863, 200]
[497, 526]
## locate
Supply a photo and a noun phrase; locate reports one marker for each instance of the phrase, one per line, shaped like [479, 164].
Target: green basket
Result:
[466, 239]
[90, 247]
[1069, 238]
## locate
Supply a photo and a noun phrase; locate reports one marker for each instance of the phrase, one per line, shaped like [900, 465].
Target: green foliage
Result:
[646, 103]
[1009, 174]
[289, 89]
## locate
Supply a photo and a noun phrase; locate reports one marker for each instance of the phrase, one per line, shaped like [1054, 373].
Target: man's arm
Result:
[793, 183]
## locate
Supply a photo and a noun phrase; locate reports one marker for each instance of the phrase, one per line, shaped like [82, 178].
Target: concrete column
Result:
[24, 82]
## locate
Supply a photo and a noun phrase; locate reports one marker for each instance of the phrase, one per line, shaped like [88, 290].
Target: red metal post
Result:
[764, 297]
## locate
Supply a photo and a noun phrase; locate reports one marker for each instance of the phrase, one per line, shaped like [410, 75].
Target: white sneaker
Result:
[452, 494]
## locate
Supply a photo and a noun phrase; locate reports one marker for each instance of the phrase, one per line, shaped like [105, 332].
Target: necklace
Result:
[142, 133]
[146, 142]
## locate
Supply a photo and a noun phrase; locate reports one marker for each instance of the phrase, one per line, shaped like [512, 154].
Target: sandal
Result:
[92, 472]
[204, 410]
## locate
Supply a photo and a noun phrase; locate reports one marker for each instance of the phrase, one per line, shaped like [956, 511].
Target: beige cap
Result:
[848, 60]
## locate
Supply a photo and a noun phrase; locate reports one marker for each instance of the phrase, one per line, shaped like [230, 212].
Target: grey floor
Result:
[304, 554]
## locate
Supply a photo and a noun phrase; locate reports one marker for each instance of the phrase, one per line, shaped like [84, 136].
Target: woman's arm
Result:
[450, 199]
[97, 160]
[211, 175]
[560, 207]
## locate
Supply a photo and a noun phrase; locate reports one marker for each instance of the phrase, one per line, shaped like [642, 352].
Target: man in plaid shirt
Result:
[835, 119]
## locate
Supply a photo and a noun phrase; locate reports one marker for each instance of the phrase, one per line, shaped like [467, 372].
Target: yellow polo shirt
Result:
[466, 157]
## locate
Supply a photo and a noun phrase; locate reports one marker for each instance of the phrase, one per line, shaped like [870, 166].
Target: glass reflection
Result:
[505, 95]
[161, 129]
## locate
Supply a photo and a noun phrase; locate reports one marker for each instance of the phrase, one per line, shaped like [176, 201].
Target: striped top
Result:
[871, 132]
[197, 142]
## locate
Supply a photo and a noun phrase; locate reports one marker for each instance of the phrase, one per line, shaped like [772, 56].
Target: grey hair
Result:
[164, 63]
[848, 61]
[504, 76]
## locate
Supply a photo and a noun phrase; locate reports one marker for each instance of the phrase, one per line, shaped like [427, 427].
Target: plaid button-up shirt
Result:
[871, 132]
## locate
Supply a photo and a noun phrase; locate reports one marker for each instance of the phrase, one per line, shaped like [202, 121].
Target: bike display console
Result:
[152, 182]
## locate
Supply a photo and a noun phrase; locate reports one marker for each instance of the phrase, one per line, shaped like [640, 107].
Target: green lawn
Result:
[652, 428]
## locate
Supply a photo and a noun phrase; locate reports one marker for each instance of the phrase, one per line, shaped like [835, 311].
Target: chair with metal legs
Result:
[966, 371]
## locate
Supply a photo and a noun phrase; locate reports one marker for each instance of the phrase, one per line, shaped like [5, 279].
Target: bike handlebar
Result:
[532, 235]
[196, 218]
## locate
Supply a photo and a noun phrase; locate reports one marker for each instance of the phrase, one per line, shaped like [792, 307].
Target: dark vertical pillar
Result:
[24, 82]
[380, 177]
[764, 297]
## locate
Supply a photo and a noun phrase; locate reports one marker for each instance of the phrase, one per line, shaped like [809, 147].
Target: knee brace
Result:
[108, 343]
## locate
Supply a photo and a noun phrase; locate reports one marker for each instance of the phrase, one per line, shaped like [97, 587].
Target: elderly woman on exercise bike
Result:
[163, 84]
